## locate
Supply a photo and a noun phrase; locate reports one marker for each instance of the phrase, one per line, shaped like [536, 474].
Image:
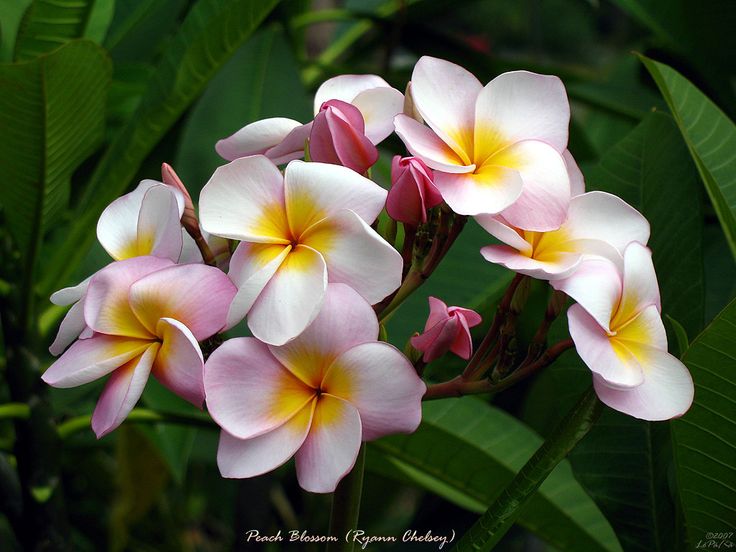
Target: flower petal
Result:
[330, 450]
[291, 299]
[640, 283]
[107, 302]
[647, 329]
[251, 267]
[248, 391]
[577, 181]
[68, 295]
[122, 390]
[69, 329]
[667, 391]
[338, 138]
[240, 458]
[520, 105]
[159, 230]
[90, 359]
[189, 251]
[244, 200]
[345, 320]
[499, 228]
[603, 355]
[198, 296]
[346, 88]
[179, 365]
[317, 190]
[563, 265]
[462, 345]
[292, 147]
[422, 142]
[437, 340]
[379, 106]
[356, 255]
[489, 190]
[255, 138]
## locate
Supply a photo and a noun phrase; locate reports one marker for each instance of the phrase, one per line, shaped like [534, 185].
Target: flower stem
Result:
[346, 506]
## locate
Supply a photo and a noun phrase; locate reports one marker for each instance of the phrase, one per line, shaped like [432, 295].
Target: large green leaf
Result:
[467, 451]
[651, 170]
[705, 438]
[210, 34]
[711, 137]
[52, 114]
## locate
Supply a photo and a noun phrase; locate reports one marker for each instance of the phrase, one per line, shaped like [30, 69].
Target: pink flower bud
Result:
[412, 191]
[338, 137]
[447, 329]
[189, 217]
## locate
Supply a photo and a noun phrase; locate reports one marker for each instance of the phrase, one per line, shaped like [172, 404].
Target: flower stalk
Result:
[346, 506]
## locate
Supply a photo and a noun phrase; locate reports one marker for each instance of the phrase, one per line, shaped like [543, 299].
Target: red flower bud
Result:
[412, 191]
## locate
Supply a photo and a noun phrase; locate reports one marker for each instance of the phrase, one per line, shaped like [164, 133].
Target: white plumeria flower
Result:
[297, 231]
[282, 140]
[618, 332]
[597, 223]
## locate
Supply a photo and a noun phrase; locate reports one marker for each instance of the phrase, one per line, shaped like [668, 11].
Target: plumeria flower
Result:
[494, 149]
[447, 329]
[618, 332]
[597, 223]
[412, 191]
[298, 231]
[317, 397]
[282, 140]
[148, 315]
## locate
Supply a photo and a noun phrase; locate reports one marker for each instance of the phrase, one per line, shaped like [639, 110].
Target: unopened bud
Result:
[412, 191]
[189, 217]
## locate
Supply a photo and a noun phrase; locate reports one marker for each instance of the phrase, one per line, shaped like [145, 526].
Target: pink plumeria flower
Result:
[298, 231]
[316, 397]
[148, 315]
[412, 191]
[447, 329]
[494, 149]
[618, 332]
[338, 137]
[282, 140]
[597, 223]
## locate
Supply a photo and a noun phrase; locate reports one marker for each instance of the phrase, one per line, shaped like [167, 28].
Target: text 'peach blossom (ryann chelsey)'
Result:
[412, 191]
[618, 332]
[298, 231]
[494, 149]
[317, 397]
[147, 315]
[447, 329]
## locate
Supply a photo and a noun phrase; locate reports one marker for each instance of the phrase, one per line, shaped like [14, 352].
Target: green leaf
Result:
[48, 24]
[704, 438]
[710, 136]
[680, 334]
[209, 35]
[650, 170]
[467, 451]
[52, 113]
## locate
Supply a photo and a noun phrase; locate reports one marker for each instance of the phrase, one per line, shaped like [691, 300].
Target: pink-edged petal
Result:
[520, 105]
[255, 138]
[563, 265]
[437, 312]
[471, 317]
[198, 296]
[248, 391]
[422, 142]
[640, 287]
[123, 389]
[159, 224]
[605, 217]
[90, 359]
[379, 106]
[445, 95]
[596, 286]
[667, 391]
[68, 295]
[345, 88]
[291, 299]
[345, 320]
[330, 449]
[240, 458]
[577, 181]
[437, 340]
[117, 227]
[107, 302]
[603, 355]
[251, 267]
[292, 147]
[545, 196]
[382, 384]
[244, 200]
[489, 190]
[179, 365]
[498, 228]
[317, 190]
[69, 329]
[356, 255]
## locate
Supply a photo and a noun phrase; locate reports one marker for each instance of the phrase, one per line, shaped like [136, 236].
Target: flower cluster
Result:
[295, 252]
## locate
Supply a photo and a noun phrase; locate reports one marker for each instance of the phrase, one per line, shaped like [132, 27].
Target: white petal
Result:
[346, 88]
[255, 138]
[379, 106]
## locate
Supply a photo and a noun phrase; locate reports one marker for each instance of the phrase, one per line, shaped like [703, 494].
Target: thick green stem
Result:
[500, 516]
[346, 507]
